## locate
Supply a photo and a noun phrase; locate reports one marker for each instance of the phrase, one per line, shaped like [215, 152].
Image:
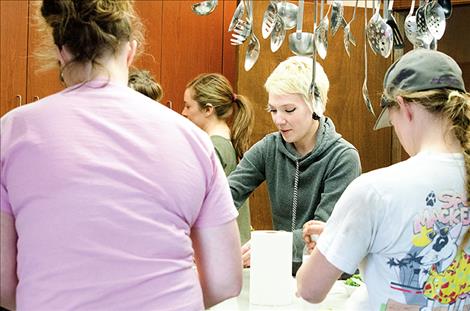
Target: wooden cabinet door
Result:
[191, 45]
[40, 83]
[150, 12]
[14, 35]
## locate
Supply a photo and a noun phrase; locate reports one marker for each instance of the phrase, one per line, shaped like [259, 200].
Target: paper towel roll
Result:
[271, 268]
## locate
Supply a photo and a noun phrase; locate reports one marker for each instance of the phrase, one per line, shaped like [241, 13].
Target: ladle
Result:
[365, 91]
[348, 37]
[204, 7]
[288, 12]
[321, 34]
[301, 43]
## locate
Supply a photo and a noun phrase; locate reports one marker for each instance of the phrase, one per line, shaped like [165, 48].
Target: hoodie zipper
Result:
[294, 199]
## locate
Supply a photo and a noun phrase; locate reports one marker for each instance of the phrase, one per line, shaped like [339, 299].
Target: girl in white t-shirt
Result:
[406, 226]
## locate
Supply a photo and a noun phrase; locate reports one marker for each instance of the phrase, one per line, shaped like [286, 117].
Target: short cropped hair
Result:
[294, 75]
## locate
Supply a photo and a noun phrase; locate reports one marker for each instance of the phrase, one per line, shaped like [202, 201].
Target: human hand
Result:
[310, 233]
[246, 254]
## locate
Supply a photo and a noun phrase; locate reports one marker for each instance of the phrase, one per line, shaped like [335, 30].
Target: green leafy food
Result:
[354, 280]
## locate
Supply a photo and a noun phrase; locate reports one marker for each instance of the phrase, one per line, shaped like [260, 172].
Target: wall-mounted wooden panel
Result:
[190, 46]
[405, 4]
[345, 105]
[150, 12]
[40, 83]
[13, 51]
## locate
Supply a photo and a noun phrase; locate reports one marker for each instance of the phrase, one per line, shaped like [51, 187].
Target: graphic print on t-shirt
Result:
[435, 273]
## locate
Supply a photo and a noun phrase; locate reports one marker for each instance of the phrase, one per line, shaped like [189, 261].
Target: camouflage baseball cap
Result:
[419, 70]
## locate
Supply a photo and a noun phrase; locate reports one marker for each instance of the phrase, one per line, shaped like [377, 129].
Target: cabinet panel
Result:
[40, 83]
[190, 45]
[345, 103]
[150, 12]
[14, 35]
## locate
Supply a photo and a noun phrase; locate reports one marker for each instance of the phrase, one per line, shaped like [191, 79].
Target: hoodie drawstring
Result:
[294, 199]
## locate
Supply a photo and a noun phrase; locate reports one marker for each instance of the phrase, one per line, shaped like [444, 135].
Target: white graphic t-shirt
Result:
[402, 226]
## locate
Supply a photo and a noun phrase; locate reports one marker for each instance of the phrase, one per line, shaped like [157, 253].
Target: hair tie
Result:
[315, 116]
[234, 97]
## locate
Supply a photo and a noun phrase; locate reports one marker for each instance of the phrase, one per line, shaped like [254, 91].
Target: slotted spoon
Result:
[379, 34]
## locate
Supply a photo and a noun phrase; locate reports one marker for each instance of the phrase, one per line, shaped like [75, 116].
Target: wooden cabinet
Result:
[14, 49]
[178, 46]
[346, 74]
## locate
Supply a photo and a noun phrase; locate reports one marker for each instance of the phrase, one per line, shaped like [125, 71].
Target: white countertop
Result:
[336, 300]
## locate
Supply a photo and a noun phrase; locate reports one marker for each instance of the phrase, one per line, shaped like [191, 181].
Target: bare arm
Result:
[8, 278]
[316, 277]
[218, 261]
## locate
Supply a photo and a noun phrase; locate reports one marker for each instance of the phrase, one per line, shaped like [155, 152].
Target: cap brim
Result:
[383, 120]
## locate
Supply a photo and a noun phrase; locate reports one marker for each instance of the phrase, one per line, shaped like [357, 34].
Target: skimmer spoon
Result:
[379, 34]
[435, 19]
[423, 37]
[410, 25]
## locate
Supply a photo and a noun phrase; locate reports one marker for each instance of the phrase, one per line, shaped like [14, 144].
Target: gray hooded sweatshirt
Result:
[323, 175]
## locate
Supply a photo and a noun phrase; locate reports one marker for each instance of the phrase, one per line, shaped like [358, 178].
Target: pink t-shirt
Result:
[105, 185]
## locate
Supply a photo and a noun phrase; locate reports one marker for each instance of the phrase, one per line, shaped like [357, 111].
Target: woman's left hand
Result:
[310, 232]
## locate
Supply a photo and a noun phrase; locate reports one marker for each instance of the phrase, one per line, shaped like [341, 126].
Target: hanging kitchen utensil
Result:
[321, 34]
[337, 18]
[447, 6]
[301, 43]
[237, 15]
[288, 12]
[423, 36]
[390, 20]
[204, 7]
[278, 34]
[269, 20]
[410, 25]
[365, 91]
[241, 32]
[253, 48]
[379, 34]
[435, 19]
[312, 88]
[348, 37]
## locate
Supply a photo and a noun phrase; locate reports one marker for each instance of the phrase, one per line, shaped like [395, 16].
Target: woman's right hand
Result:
[246, 254]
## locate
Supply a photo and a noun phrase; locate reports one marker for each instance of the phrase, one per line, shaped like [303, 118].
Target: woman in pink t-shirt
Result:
[106, 198]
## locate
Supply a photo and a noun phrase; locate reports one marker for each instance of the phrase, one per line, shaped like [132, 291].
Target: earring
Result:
[315, 116]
